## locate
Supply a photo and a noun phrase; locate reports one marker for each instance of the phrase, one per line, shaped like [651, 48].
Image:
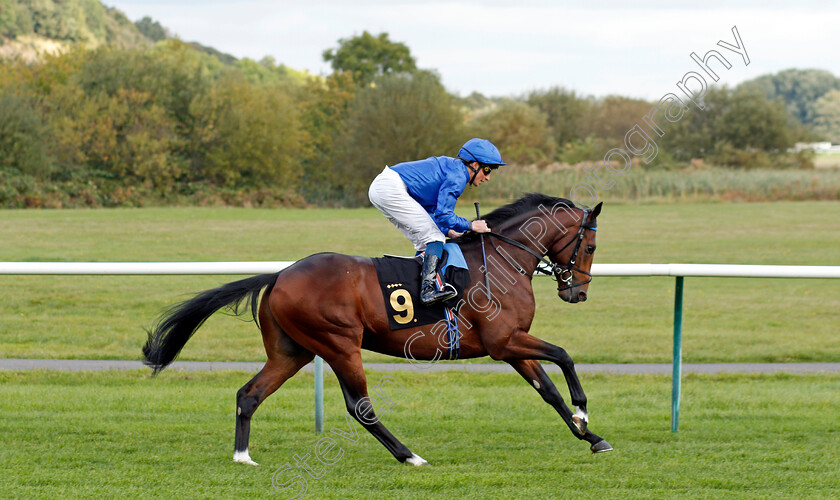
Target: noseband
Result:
[562, 274]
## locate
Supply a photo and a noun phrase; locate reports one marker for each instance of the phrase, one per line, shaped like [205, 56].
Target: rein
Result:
[562, 274]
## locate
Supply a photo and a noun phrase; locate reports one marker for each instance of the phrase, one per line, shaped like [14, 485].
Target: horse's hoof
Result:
[580, 424]
[600, 447]
[416, 460]
[243, 457]
[581, 420]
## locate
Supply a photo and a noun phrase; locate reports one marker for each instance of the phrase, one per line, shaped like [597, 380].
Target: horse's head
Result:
[540, 226]
[573, 259]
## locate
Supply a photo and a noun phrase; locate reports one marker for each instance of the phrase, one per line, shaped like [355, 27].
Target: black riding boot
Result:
[429, 293]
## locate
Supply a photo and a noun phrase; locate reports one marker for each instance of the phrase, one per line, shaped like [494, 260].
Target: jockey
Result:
[419, 198]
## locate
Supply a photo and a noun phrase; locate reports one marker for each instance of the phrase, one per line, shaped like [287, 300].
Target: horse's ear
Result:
[596, 211]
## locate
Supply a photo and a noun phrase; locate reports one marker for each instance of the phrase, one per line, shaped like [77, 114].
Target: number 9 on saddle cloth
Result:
[399, 279]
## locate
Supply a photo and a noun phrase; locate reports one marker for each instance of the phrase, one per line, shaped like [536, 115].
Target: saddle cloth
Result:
[399, 279]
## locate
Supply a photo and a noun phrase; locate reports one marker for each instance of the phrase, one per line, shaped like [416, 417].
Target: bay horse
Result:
[330, 305]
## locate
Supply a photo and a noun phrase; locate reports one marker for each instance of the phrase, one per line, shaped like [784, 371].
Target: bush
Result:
[803, 160]
[589, 149]
[728, 155]
[24, 137]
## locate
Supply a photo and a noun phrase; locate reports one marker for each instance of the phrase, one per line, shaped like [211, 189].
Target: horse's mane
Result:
[527, 204]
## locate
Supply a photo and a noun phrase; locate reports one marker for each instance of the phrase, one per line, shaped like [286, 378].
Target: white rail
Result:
[260, 267]
[255, 267]
[716, 270]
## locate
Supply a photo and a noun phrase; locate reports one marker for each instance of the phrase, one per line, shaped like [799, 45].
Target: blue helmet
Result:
[482, 151]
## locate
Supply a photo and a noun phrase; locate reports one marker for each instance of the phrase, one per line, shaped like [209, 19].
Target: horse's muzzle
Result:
[569, 295]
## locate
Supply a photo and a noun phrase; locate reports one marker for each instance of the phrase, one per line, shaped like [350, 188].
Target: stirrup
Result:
[450, 292]
[430, 297]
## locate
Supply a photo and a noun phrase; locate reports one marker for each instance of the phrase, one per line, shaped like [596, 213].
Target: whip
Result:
[483, 254]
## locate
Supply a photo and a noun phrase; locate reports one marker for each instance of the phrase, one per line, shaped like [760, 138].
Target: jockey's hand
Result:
[480, 226]
[454, 234]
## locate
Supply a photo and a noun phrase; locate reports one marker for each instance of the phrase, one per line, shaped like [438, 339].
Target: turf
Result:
[126, 435]
[625, 319]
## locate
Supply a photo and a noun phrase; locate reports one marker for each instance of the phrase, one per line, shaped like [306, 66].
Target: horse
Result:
[330, 305]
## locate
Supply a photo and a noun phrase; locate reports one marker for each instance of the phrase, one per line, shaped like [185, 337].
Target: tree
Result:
[611, 117]
[564, 111]
[733, 127]
[152, 29]
[129, 137]
[14, 19]
[798, 88]
[367, 56]
[267, 72]
[519, 130]
[751, 121]
[112, 128]
[693, 135]
[325, 105]
[403, 117]
[826, 112]
[250, 136]
[124, 114]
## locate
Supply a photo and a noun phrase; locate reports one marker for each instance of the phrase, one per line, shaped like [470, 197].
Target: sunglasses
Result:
[488, 168]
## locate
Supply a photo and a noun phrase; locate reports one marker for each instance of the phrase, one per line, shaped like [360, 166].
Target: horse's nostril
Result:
[582, 296]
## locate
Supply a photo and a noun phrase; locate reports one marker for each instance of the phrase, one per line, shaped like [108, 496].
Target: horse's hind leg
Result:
[535, 375]
[249, 397]
[351, 375]
[285, 358]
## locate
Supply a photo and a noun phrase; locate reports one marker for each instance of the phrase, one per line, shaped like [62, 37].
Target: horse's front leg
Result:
[536, 376]
[522, 345]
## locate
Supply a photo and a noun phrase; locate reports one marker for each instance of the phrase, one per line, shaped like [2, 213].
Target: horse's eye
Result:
[590, 248]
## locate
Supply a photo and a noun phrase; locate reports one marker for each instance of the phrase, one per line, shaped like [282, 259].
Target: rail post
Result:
[319, 394]
[677, 358]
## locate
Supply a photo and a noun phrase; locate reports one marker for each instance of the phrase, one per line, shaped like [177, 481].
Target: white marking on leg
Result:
[416, 460]
[582, 415]
[536, 385]
[242, 457]
[238, 410]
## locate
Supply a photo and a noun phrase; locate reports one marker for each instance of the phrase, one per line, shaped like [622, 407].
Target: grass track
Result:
[625, 320]
[126, 435]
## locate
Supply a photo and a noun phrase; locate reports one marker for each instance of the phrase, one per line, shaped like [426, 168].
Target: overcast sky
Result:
[508, 48]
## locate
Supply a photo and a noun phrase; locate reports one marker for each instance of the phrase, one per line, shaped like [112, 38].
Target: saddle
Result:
[399, 279]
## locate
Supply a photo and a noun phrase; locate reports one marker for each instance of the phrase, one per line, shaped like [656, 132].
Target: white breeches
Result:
[388, 193]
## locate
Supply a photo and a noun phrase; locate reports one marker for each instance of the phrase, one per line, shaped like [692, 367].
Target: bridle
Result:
[563, 274]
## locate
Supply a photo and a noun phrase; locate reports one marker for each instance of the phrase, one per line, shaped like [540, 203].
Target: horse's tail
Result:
[175, 326]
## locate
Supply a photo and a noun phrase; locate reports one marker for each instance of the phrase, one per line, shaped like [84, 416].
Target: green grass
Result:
[625, 320]
[126, 435]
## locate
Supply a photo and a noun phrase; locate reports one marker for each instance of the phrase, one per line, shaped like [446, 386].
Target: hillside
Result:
[28, 28]
[32, 28]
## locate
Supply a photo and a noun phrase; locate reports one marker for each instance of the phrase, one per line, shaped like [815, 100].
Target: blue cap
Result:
[482, 151]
